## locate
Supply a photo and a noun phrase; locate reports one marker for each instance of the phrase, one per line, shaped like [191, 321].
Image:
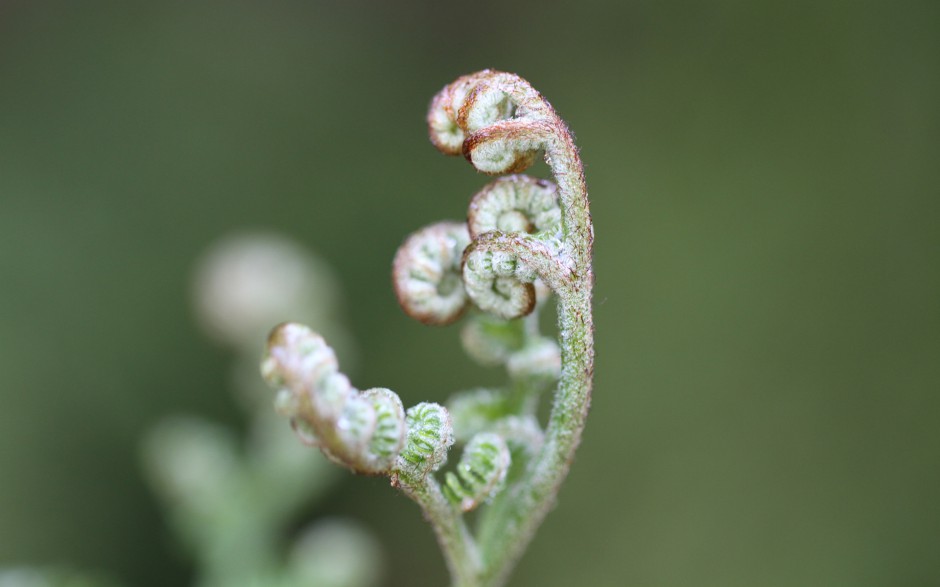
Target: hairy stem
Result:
[508, 533]
[523, 511]
[460, 550]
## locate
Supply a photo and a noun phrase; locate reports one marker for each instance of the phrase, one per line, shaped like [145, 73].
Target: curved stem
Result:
[531, 500]
[460, 550]
[508, 534]
[562, 157]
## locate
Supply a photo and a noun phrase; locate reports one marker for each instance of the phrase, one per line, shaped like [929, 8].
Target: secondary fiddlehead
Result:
[364, 431]
[517, 203]
[480, 473]
[430, 435]
[426, 273]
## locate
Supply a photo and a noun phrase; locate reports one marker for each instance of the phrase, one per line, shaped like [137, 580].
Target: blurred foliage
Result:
[764, 181]
[14, 577]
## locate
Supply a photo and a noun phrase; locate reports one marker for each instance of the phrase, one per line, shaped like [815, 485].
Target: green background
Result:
[764, 182]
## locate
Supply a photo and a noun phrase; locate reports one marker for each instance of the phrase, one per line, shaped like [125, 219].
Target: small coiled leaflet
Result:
[481, 471]
[495, 119]
[426, 273]
[516, 203]
[446, 133]
[364, 431]
[498, 283]
[430, 435]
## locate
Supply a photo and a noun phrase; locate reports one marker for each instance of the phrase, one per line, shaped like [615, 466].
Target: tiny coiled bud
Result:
[517, 203]
[426, 273]
[495, 119]
[498, 284]
[430, 434]
[481, 471]
[389, 436]
[362, 431]
[443, 127]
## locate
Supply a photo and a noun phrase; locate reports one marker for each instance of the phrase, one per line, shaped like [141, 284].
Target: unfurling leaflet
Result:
[364, 431]
[480, 472]
[499, 284]
[426, 273]
[517, 203]
[430, 434]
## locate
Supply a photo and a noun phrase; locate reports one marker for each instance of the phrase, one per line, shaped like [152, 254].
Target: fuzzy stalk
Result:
[510, 527]
[460, 550]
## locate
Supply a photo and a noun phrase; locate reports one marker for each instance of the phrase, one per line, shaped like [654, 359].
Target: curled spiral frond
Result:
[430, 434]
[498, 283]
[362, 431]
[499, 122]
[508, 264]
[517, 203]
[495, 119]
[426, 273]
[388, 437]
[445, 132]
[480, 472]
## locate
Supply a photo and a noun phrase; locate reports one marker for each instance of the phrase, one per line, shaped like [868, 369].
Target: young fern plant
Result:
[524, 239]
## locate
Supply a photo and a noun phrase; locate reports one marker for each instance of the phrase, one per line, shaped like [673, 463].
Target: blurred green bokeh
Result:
[764, 179]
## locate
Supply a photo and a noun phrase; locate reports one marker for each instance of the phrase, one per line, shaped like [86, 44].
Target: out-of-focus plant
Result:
[524, 238]
[232, 502]
[32, 577]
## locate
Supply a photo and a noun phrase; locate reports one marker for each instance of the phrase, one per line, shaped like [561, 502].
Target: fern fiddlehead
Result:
[524, 238]
[426, 273]
[481, 471]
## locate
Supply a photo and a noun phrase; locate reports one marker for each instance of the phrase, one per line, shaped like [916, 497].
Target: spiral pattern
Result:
[426, 273]
[481, 471]
[445, 131]
[517, 203]
[388, 438]
[498, 284]
[430, 435]
[495, 119]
